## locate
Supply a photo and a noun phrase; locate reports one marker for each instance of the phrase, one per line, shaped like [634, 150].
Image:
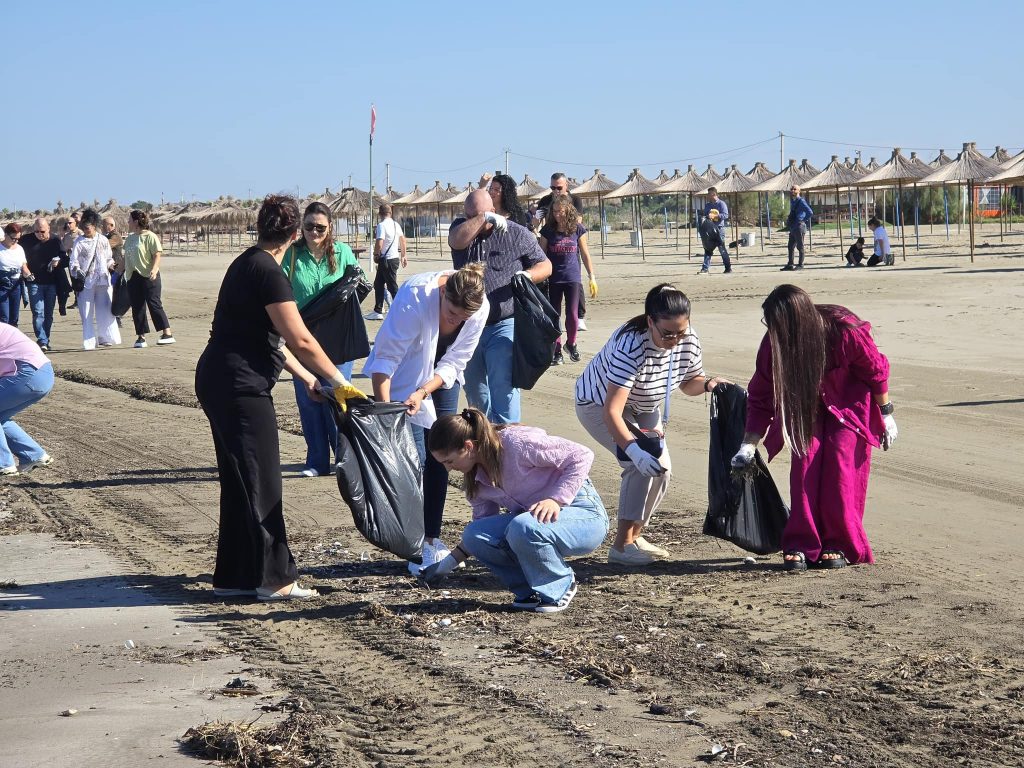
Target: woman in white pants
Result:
[93, 258]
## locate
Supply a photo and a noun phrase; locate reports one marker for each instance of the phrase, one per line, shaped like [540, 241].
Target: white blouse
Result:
[82, 254]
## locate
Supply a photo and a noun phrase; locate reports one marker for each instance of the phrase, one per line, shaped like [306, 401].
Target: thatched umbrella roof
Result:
[898, 169]
[227, 214]
[710, 175]
[807, 169]
[390, 196]
[970, 165]
[872, 165]
[835, 174]
[941, 159]
[919, 163]
[1005, 164]
[528, 188]
[635, 185]
[408, 199]
[662, 177]
[436, 194]
[119, 214]
[1012, 173]
[781, 182]
[596, 186]
[460, 198]
[759, 173]
[691, 181]
[190, 213]
[859, 168]
[1000, 155]
[733, 181]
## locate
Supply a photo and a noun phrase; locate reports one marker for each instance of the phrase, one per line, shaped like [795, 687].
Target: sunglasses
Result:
[668, 336]
[318, 228]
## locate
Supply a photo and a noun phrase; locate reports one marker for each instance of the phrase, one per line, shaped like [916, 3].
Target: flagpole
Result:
[369, 231]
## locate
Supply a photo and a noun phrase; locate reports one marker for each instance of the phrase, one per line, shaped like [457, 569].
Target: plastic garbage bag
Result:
[744, 508]
[378, 475]
[121, 301]
[537, 327]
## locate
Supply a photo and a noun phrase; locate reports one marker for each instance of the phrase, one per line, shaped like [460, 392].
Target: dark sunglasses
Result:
[318, 228]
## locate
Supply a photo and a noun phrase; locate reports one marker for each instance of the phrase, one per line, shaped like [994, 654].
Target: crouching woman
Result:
[553, 510]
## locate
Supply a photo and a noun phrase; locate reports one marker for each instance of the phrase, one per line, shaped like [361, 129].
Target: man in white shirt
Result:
[389, 253]
[883, 248]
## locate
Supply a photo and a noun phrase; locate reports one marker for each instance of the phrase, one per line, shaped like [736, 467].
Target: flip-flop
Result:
[832, 563]
[295, 592]
[800, 564]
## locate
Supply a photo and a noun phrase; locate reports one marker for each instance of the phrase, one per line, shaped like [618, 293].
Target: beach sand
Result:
[915, 661]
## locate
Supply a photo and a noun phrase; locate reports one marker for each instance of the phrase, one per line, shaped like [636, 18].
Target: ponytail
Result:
[449, 434]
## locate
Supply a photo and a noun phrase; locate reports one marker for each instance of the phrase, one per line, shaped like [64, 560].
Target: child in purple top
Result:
[564, 240]
[552, 510]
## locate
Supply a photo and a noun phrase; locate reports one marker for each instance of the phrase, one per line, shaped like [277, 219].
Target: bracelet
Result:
[424, 390]
[887, 409]
[706, 382]
[458, 548]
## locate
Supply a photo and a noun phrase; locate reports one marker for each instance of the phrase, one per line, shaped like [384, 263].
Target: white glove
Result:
[643, 461]
[500, 222]
[439, 571]
[744, 456]
[891, 433]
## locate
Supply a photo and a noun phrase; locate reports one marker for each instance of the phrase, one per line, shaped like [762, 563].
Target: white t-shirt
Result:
[388, 231]
[11, 258]
[882, 245]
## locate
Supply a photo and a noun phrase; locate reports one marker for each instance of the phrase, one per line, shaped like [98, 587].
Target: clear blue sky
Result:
[187, 98]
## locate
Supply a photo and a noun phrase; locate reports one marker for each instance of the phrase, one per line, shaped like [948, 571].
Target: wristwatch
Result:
[887, 409]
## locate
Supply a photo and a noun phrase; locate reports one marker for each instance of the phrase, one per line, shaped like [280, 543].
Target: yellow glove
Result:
[343, 391]
[593, 288]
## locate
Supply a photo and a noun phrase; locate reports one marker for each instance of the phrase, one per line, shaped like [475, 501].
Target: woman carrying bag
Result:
[90, 263]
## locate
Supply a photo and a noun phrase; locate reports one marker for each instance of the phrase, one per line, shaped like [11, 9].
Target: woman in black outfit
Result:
[255, 317]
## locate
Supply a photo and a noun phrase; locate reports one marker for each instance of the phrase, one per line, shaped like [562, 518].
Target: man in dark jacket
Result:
[47, 263]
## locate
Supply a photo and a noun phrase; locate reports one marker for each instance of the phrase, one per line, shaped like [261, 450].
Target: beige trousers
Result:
[639, 495]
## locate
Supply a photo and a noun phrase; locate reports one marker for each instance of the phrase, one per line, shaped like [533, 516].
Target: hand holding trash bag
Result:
[343, 391]
[434, 574]
[891, 433]
[744, 456]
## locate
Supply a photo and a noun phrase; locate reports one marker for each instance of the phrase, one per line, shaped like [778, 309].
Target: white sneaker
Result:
[653, 549]
[45, 461]
[309, 472]
[11, 470]
[140, 344]
[562, 604]
[166, 340]
[428, 559]
[373, 316]
[442, 551]
[581, 325]
[631, 554]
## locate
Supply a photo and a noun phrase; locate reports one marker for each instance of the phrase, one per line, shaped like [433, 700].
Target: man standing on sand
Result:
[716, 221]
[67, 242]
[507, 249]
[388, 252]
[560, 186]
[45, 262]
[799, 219]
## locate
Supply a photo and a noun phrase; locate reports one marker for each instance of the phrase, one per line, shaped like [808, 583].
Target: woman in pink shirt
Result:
[822, 387]
[552, 510]
[26, 377]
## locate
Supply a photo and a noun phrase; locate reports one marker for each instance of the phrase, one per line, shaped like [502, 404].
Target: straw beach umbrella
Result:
[781, 182]
[687, 183]
[970, 166]
[529, 188]
[732, 183]
[636, 186]
[1012, 172]
[1000, 155]
[757, 174]
[872, 165]
[117, 213]
[710, 175]
[834, 176]
[941, 159]
[896, 171]
[435, 196]
[597, 186]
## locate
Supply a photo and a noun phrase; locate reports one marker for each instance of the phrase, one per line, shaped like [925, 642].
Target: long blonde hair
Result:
[450, 433]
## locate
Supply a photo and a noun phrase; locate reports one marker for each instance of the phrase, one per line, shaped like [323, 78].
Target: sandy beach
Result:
[915, 661]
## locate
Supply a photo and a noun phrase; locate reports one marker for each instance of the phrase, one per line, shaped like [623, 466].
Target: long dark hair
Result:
[663, 301]
[801, 334]
[510, 199]
[311, 210]
[450, 433]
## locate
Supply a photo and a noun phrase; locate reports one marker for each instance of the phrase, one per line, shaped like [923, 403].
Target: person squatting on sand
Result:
[313, 263]
[92, 259]
[625, 388]
[26, 377]
[255, 313]
[506, 248]
[564, 240]
[882, 247]
[418, 357]
[821, 386]
[554, 511]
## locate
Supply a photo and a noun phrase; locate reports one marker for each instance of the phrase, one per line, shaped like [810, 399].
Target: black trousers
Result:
[796, 243]
[144, 293]
[386, 277]
[252, 548]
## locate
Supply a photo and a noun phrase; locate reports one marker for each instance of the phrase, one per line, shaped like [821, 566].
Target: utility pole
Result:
[506, 160]
[782, 152]
[387, 176]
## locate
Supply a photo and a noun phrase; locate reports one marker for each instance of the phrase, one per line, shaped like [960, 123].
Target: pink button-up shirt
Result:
[534, 466]
[16, 347]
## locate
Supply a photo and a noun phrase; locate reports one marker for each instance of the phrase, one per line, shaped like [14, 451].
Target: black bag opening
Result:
[378, 475]
[537, 327]
[746, 510]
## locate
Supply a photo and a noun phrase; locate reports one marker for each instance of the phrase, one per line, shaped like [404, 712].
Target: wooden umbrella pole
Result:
[903, 234]
[689, 230]
[640, 231]
[839, 225]
[970, 202]
[677, 221]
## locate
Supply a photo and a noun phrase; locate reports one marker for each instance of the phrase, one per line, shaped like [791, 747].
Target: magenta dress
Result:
[829, 485]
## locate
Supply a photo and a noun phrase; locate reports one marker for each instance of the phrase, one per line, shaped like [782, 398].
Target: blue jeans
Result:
[10, 304]
[528, 556]
[489, 375]
[318, 427]
[24, 387]
[42, 298]
[722, 249]
[435, 476]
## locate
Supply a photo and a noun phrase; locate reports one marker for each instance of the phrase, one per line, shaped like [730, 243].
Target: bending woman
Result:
[822, 387]
[554, 511]
[418, 357]
[254, 318]
[623, 389]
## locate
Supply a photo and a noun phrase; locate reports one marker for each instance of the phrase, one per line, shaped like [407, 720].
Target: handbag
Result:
[650, 440]
[78, 281]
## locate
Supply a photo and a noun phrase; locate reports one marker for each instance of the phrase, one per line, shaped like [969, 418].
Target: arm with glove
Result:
[614, 405]
[588, 265]
[434, 575]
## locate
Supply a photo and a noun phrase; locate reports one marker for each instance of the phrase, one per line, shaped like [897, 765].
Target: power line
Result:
[448, 170]
[880, 146]
[654, 162]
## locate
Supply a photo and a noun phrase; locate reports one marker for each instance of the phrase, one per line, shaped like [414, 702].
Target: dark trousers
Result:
[581, 311]
[435, 476]
[386, 277]
[796, 243]
[144, 293]
[252, 549]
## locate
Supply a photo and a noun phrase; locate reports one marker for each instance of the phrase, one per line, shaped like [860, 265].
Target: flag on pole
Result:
[373, 121]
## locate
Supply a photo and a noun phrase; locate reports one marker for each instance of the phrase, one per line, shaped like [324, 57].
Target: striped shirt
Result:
[631, 360]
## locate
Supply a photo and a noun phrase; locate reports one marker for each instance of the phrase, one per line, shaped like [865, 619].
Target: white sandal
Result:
[294, 592]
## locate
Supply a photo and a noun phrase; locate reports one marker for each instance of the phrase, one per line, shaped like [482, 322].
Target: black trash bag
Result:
[334, 318]
[379, 475]
[744, 508]
[121, 301]
[537, 327]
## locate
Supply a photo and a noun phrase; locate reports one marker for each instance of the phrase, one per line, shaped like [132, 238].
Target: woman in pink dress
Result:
[821, 387]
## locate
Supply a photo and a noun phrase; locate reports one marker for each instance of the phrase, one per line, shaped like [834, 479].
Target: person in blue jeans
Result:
[553, 510]
[12, 269]
[506, 248]
[800, 214]
[47, 264]
[713, 231]
[26, 377]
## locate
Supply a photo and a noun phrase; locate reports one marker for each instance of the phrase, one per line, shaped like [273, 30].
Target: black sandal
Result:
[797, 564]
[831, 563]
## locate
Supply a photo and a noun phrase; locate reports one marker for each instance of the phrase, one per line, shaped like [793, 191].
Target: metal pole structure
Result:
[604, 223]
[678, 222]
[506, 161]
[899, 215]
[387, 176]
[664, 211]
[640, 230]
[369, 203]
[849, 205]
[782, 152]
[945, 208]
[839, 227]
[917, 217]
[970, 194]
